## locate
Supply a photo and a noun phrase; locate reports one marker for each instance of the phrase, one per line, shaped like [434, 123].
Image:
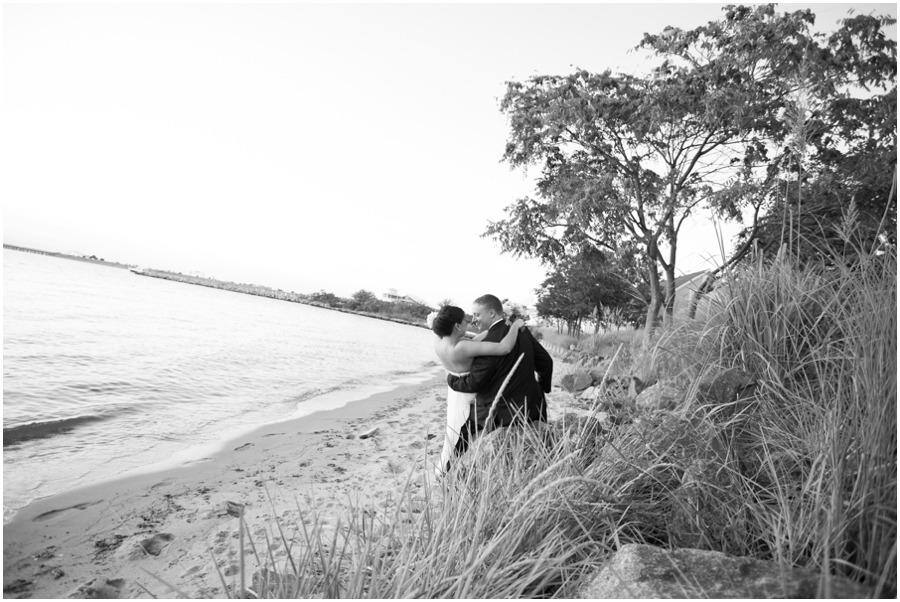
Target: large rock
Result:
[664, 395]
[576, 382]
[641, 571]
[726, 388]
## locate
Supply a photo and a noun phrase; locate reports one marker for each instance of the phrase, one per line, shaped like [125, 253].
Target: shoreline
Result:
[82, 540]
[320, 402]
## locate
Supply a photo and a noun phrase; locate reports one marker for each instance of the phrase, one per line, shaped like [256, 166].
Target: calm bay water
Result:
[105, 371]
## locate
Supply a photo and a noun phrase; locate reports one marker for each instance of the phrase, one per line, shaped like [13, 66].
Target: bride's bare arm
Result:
[470, 349]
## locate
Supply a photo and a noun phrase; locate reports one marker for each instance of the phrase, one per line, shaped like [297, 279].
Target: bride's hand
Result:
[518, 324]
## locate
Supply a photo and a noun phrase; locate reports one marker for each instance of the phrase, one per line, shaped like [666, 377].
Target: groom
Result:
[523, 396]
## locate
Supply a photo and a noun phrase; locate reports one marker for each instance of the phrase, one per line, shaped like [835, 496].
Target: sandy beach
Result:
[105, 540]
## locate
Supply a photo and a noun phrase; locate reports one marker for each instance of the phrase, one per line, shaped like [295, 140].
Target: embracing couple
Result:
[478, 368]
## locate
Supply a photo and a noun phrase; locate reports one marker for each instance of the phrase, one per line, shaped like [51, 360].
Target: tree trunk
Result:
[656, 299]
[670, 292]
[670, 270]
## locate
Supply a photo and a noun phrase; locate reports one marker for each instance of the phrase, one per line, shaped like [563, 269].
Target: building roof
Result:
[688, 278]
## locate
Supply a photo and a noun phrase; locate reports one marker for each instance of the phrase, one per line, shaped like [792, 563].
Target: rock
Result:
[581, 382]
[589, 393]
[642, 571]
[664, 395]
[726, 388]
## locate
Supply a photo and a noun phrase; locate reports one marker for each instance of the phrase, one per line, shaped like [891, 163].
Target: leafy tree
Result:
[325, 298]
[583, 286]
[626, 159]
[363, 300]
[833, 181]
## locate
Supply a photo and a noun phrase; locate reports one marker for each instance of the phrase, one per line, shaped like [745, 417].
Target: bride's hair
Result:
[447, 318]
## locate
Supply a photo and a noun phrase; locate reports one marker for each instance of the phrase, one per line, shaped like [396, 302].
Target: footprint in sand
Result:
[101, 588]
[154, 545]
[395, 467]
[243, 447]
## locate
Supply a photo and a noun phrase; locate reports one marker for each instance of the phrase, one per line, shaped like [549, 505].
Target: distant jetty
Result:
[247, 289]
[91, 259]
[260, 291]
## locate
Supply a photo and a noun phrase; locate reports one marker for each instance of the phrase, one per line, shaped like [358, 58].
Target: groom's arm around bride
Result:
[523, 393]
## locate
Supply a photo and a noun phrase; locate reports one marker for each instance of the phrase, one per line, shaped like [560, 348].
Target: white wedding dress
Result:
[457, 414]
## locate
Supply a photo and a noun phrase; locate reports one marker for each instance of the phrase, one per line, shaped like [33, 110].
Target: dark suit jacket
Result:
[489, 372]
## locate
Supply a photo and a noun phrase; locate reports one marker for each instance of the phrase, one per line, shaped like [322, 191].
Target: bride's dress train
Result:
[457, 414]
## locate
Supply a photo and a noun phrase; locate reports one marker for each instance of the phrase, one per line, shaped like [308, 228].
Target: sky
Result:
[304, 147]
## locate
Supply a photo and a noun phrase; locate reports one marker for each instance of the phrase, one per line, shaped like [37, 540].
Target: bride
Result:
[456, 355]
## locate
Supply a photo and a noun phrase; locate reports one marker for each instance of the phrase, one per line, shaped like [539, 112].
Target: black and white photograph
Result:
[449, 300]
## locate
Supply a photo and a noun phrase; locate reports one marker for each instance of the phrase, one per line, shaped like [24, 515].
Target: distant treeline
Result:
[363, 303]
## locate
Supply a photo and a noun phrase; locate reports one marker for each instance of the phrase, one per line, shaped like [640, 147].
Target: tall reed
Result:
[819, 446]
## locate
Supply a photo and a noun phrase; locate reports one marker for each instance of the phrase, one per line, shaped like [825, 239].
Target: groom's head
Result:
[486, 310]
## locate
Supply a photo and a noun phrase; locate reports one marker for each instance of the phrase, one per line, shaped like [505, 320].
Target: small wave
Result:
[108, 387]
[42, 430]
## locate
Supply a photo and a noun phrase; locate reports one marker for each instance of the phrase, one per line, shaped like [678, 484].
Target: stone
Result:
[576, 382]
[726, 388]
[589, 393]
[664, 395]
[643, 571]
